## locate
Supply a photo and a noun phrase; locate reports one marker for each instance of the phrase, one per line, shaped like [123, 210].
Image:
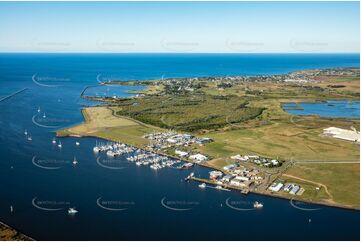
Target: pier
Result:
[13, 94]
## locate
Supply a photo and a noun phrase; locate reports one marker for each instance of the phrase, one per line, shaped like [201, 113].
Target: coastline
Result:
[148, 84]
[9, 233]
[280, 196]
[86, 119]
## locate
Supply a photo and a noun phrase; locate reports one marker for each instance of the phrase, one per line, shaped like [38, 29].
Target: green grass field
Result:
[100, 122]
[341, 180]
[278, 134]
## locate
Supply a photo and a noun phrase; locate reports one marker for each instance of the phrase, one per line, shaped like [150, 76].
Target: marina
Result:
[140, 157]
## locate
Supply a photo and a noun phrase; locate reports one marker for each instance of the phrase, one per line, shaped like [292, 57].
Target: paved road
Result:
[328, 162]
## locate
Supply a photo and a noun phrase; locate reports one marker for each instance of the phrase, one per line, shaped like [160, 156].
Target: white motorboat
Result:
[39, 110]
[77, 143]
[53, 141]
[257, 205]
[60, 145]
[72, 211]
[75, 161]
[203, 185]
[29, 138]
[26, 132]
[44, 116]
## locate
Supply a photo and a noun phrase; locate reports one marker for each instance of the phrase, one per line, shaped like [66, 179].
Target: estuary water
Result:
[133, 203]
[326, 109]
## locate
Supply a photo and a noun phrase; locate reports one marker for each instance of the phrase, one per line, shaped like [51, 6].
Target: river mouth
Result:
[113, 197]
[325, 109]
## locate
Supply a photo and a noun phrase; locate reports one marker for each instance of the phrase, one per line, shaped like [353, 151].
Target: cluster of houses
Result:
[165, 140]
[261, 161]
[170, 139]
[181, 85]
[291, 188]
[325, 72]
[237, 176]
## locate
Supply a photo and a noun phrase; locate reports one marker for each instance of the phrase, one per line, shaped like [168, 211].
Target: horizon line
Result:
[108, 52]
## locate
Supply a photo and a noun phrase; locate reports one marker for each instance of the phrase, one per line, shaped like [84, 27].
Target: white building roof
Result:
[199, 157]
[345, 134]
[276, 187]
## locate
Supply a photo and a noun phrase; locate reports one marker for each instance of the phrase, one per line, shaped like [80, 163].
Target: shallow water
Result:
[139, 192]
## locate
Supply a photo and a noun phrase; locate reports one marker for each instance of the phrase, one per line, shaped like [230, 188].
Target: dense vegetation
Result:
[189, 112]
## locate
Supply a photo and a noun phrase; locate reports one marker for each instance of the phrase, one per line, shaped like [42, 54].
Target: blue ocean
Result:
[53, 83]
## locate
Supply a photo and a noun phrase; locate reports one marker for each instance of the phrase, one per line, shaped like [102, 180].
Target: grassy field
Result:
[339, 183]
[278, 134]
[100, 122]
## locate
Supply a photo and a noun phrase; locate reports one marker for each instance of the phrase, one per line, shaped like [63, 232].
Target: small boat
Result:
[72, 211]
[26, 132]
[186, 166]
[189, 176]
[39, 110]
[138, 163]
[60, 145]
[110, 153]
[219, 187]
[11, 209]
[44, 116]
[29, 138]
[203, 185]
[257, 205]
[75, 161]
[96, 149]
[54, 141]
[77, 143]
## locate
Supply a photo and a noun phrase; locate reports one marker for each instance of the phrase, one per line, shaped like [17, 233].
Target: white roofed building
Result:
[198, 157]
[345, 134]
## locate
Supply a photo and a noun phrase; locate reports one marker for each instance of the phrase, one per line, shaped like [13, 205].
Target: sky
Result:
[217, 27]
